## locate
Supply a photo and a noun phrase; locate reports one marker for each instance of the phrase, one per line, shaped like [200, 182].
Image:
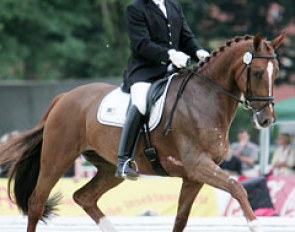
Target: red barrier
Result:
[282, 192]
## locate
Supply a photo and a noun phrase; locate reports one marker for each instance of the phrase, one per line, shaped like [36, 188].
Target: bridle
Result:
[248, 98]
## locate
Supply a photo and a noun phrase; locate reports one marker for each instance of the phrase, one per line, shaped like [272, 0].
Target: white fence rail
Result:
[149, 224]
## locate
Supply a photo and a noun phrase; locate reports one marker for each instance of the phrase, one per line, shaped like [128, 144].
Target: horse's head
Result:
[256, 80]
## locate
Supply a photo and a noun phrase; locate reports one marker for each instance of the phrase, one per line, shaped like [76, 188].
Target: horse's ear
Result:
[257, 41]
[278, 40]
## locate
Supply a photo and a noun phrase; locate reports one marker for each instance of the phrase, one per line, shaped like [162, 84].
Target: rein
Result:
[249, 98]
[168, 126]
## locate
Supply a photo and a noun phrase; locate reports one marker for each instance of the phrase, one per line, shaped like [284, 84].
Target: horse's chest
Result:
[215, 142]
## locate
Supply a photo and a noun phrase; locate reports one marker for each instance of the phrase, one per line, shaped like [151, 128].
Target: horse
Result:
[243, 70]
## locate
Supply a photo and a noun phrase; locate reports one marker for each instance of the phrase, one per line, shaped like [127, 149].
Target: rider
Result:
[159, 35]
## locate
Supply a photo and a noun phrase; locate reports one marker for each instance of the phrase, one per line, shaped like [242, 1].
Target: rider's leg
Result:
[131, 129]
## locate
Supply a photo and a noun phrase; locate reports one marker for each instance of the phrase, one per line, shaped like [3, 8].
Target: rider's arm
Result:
[141, 42]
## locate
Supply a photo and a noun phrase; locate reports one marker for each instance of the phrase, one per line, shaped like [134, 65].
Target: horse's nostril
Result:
[266, 122]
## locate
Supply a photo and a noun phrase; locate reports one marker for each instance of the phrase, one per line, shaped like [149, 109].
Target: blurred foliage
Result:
[54, 39]
[58, 39]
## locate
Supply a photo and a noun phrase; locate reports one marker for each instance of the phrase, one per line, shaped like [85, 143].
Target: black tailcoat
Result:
[151, 35]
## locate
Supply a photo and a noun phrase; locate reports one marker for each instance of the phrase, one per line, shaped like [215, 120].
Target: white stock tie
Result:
[161, 5]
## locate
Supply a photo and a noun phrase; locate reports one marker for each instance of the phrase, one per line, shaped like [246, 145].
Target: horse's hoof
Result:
[254, 226]
[106, 226]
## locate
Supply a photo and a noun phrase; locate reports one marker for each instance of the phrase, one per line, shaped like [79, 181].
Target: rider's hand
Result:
[202, 54]
[179, 59]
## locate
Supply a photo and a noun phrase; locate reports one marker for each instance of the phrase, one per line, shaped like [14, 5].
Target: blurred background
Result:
[51, 46]
[57, 40]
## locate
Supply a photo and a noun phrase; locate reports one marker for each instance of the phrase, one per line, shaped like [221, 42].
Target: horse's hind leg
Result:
[189, 191]
[55, 161]
[90, 193]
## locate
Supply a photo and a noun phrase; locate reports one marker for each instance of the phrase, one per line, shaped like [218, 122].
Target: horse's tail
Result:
[22, 154]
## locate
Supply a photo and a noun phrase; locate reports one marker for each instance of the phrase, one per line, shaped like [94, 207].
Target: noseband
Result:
[249, 98]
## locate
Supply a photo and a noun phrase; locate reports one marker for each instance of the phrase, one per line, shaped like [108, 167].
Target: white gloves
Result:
[179, 59]
[202, 54]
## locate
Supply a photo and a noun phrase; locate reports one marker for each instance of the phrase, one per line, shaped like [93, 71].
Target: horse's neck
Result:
[219, 69]
[219, 107]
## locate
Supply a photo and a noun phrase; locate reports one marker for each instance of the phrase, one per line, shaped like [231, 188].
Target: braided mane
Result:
[222, 48]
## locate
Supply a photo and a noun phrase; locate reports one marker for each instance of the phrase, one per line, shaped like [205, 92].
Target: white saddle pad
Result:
[113, 108]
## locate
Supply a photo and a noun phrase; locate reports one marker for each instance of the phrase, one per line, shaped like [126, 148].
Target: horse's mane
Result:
[223, 47]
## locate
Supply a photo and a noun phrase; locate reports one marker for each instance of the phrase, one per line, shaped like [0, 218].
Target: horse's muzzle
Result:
[261, 119]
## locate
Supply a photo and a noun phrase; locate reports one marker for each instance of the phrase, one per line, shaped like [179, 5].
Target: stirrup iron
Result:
[126, 163]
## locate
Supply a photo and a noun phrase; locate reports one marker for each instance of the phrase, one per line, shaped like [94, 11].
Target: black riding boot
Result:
[128, 138]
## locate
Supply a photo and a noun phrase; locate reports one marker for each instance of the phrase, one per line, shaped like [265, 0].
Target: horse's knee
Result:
[237, 190]
[78, 198]
[82, 199]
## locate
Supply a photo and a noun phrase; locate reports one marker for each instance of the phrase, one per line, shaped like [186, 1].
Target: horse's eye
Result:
[258, 73]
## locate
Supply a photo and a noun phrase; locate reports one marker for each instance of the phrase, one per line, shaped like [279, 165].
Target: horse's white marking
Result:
[270, 73]
[254, 226]
[105, 225]
[270, 68]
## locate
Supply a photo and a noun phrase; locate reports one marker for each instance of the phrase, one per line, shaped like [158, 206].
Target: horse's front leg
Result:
[189, 191]
[204, 170]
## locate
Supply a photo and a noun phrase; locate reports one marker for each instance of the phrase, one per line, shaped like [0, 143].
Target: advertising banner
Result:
[159, 196]
[147, 196]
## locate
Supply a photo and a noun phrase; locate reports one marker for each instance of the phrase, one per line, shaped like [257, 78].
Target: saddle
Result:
[113, 109]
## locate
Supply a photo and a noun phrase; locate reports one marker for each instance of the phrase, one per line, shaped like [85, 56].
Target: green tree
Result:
[52, 39]
[58, 39]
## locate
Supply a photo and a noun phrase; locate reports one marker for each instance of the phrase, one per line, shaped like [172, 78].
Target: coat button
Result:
[170, 34]
[169, 25]
[170, 43]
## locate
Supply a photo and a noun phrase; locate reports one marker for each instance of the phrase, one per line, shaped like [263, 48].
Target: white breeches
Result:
[139, 92]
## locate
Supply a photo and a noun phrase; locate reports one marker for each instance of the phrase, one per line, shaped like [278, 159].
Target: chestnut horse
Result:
[242, 70]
